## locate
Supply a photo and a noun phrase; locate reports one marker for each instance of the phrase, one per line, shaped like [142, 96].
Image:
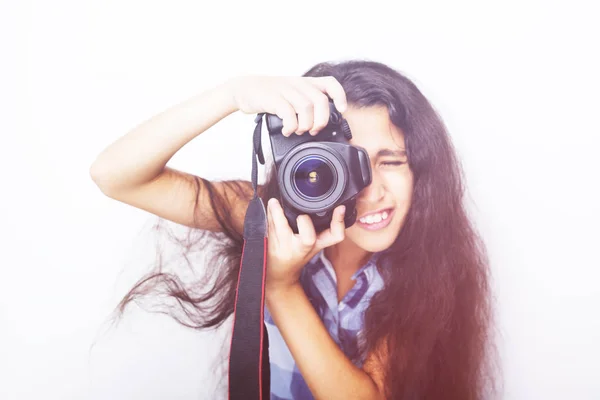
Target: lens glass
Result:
[314, 177]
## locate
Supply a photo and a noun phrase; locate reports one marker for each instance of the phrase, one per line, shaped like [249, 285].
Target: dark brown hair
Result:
[437, 279]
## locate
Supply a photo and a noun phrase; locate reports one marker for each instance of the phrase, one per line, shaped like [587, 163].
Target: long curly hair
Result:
[435, 312]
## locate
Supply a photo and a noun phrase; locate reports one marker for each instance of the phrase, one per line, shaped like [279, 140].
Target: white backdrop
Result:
[515, 81]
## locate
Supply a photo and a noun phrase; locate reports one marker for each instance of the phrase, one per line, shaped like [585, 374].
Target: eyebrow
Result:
[391, 153]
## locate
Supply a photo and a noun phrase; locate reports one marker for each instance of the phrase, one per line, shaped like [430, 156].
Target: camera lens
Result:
[314, 176]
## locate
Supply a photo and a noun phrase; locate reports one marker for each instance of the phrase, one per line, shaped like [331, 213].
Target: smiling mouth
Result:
[377, 220]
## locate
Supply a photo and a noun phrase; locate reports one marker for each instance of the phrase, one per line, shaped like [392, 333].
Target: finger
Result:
[286, 112]
[306, 232]
[280, 223]
[320, 103]
[271, 227]
[331, 86]
[338, 226]
[303, 106]
[336, 232]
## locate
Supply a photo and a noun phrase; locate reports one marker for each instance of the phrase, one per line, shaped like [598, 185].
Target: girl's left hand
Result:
[288, 252]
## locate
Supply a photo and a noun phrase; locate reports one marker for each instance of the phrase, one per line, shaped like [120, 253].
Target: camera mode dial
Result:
[346, 130]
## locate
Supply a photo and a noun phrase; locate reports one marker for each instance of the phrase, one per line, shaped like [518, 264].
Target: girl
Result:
[396, 306]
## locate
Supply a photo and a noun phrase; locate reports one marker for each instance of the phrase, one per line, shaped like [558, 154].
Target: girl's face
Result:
[382, 206]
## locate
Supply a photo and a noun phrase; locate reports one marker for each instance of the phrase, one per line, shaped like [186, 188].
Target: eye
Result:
[394, 163]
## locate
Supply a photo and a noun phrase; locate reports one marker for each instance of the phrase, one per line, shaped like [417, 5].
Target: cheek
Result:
[400, 187]
[401, 191]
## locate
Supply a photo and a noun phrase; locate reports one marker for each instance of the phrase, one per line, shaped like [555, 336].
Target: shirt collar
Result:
[319, 260]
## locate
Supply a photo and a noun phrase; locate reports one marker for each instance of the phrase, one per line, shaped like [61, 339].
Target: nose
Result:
[373, 193]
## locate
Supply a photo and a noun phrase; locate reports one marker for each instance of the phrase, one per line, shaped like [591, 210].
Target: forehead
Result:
[373, 130]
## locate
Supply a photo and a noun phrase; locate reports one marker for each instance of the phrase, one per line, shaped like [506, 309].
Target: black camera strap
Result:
[249, 366]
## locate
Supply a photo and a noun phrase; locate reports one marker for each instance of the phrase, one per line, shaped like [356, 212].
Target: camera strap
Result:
[249, 366]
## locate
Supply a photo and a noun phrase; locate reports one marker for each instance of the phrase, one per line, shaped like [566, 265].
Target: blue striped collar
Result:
[324, 262]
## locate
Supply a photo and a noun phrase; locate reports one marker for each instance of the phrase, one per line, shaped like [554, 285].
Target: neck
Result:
[346, 257]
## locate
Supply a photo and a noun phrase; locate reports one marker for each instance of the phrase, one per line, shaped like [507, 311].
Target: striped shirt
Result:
[343, 321]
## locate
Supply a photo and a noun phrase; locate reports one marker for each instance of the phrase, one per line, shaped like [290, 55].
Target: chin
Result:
[372, 242]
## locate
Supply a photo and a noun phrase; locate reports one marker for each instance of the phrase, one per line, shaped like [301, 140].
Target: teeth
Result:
[374, 218]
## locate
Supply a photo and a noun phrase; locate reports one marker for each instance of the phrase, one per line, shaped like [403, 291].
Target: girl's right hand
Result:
[287, 96]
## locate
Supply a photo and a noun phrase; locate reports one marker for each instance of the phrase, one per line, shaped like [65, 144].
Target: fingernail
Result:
[342, 210]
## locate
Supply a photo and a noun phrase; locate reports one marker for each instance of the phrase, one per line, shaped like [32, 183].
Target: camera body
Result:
[318, 173]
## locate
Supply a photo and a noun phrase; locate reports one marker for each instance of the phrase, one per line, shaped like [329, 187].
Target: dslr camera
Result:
[318, 173]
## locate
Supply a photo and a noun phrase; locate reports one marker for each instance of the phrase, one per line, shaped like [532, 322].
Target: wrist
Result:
[275, 292]
[229, 90]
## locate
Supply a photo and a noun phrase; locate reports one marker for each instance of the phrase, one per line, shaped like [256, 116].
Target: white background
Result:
[515, 81]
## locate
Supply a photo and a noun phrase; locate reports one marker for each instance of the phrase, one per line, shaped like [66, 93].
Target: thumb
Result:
[336, 232]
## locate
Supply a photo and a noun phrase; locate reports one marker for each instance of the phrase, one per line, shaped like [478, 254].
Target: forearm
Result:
[141, 154]
[327, 371]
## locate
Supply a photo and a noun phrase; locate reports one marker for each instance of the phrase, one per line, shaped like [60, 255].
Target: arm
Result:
[328, 372]
[133, 168]
[141, 155]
